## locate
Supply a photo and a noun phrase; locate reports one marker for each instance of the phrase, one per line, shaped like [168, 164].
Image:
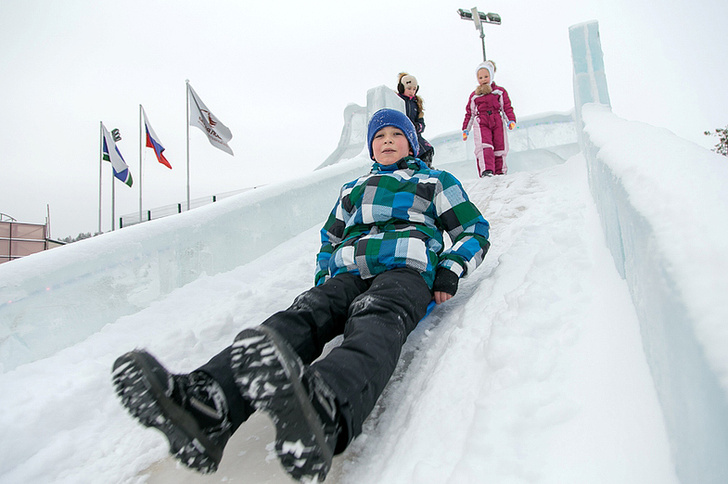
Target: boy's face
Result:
[389, 145]
[483, 76]
[410, 91]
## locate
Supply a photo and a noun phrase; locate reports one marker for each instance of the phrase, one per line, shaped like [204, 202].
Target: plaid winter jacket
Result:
[395, 217]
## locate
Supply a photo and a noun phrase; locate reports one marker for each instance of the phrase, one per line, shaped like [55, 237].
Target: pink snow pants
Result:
[490, 145]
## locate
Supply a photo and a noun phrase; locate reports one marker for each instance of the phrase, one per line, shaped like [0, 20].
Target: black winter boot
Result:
[271, 375]
[324, 402]
[190, 409]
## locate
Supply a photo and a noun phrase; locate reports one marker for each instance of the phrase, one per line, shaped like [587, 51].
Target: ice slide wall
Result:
[683, 352]
[56, 298]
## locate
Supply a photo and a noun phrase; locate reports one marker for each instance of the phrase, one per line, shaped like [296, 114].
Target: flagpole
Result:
[140, 163]
[101, 160]
[113, 198]
[187, 97]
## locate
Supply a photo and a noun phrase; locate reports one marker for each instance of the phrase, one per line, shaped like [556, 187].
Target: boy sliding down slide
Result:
[382, 261]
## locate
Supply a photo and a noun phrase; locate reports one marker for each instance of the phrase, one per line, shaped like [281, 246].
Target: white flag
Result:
[200, 116]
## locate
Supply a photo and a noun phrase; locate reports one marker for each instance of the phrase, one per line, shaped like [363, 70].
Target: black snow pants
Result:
[375, 316]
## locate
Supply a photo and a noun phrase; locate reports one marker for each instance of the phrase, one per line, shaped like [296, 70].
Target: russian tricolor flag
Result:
[153, 142]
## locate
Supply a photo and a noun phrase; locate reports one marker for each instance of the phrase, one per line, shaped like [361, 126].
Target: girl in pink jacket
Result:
[489, 108]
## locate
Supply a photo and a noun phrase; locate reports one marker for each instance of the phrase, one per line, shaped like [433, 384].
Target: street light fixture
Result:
[478, 18]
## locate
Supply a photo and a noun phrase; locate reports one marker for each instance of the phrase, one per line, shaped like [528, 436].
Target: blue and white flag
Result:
[111, 153]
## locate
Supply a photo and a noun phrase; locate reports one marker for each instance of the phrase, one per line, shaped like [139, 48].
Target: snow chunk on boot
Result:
[190, 409]
[270, 374]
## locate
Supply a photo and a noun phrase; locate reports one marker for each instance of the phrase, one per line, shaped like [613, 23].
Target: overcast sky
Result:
[279, 76]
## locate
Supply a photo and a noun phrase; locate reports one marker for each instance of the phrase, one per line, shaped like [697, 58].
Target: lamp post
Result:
[479, 18]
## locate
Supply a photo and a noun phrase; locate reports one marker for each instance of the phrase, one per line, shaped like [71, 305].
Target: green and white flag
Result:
[111, 153]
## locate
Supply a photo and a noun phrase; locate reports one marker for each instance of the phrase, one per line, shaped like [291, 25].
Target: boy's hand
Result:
[445, 285]
[512, 125]
[465, 134]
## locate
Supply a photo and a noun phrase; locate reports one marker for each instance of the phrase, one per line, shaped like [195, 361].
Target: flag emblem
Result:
[217, 133]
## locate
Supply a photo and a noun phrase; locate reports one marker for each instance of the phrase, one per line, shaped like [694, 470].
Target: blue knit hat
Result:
[392, 117]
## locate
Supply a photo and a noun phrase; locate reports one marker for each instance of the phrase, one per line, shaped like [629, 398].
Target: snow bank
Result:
[663, 205]
[663, 202]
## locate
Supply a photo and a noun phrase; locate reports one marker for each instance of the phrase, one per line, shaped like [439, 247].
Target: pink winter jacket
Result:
[488, 107]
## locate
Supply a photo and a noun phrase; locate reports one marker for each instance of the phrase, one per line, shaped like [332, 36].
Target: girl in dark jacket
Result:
[407, 89]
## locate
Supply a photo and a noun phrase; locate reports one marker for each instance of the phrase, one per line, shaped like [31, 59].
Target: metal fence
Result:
[172, 209]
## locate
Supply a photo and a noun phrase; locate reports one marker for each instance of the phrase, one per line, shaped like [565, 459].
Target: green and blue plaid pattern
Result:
[396, 217]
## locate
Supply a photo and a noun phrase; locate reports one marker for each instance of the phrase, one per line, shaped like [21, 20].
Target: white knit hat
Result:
[487, 65]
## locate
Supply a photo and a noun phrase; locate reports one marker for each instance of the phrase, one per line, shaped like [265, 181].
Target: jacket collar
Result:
[407, 162]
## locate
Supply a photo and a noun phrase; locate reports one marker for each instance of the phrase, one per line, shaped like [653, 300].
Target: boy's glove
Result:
[512, 125]
[445, 281]
[465, 134]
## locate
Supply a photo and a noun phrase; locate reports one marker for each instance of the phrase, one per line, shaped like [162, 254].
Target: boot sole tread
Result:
[143, 396]
[268, 373]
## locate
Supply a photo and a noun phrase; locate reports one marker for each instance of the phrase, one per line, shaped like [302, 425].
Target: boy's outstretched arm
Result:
[468, 231]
